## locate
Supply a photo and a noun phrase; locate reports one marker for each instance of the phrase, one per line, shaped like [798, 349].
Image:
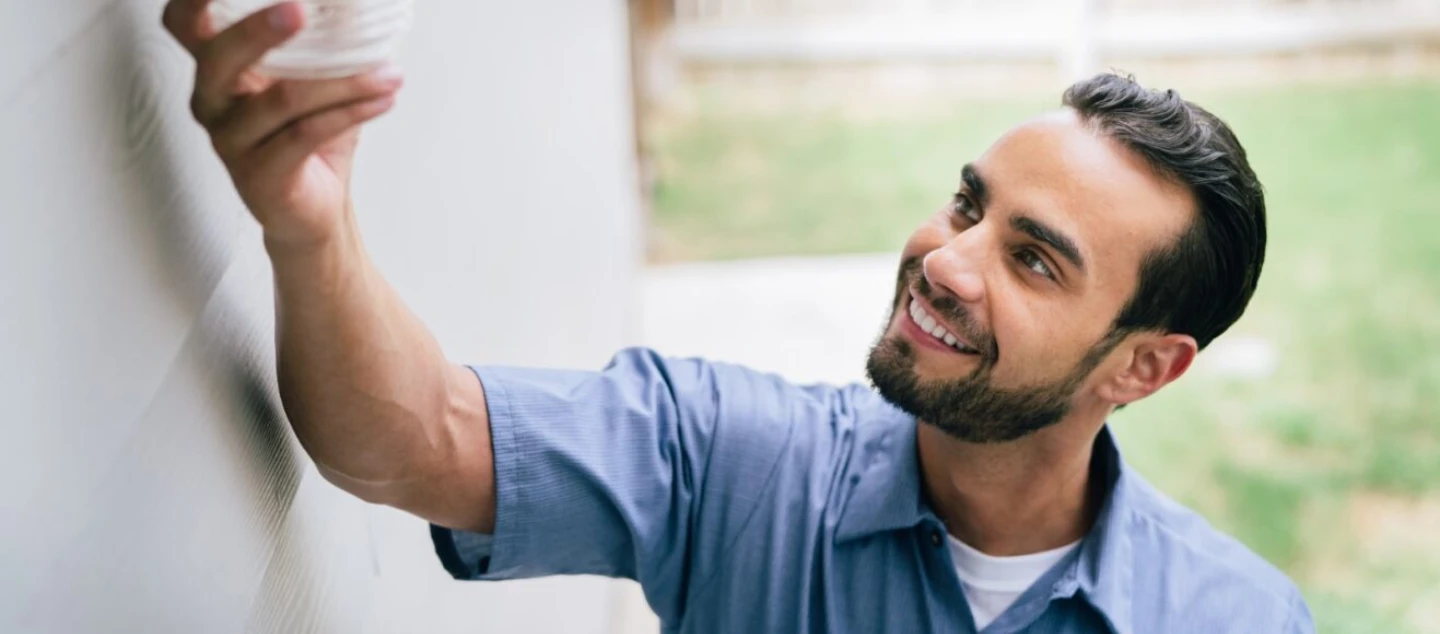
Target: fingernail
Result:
[284, 17]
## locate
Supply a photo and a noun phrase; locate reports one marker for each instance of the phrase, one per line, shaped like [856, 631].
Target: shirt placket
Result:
[948, 605]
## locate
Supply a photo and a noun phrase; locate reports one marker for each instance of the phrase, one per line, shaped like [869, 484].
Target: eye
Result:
[965, 206]
[1034, 262]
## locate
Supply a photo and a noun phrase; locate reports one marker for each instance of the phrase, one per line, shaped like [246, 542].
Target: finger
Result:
[189, 22]
[260, 117]
[223, 58]
[281, 154]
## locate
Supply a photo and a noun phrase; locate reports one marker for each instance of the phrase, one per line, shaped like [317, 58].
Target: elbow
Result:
[371, 491]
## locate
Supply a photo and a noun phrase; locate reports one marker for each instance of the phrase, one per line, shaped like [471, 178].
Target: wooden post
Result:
[652, 76]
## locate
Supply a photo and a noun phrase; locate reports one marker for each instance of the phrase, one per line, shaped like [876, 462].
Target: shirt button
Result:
[935, 538]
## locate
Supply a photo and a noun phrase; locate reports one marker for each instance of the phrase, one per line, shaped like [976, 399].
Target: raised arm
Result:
[367, 390]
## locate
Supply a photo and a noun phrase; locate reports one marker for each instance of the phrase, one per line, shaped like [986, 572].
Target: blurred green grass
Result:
[1331, 467]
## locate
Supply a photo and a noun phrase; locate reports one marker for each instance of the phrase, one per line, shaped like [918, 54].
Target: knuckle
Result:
[204, 67]
[318, 128]
[256, 27]
[197, 107]
[307, 129]
[363, 84]
[356, 113]
[285, 96]
[170, 18]
[241, 172]
[225, 145]
[167, 18]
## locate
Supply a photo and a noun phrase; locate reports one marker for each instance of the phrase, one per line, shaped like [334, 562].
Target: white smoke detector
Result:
[340, 37]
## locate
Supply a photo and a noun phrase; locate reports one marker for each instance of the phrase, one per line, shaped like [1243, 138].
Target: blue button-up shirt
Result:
[745, 503]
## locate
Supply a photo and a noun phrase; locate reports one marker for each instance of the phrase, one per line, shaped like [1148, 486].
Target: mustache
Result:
[959, 317]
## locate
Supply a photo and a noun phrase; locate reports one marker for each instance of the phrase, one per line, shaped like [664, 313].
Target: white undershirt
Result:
[993, 583]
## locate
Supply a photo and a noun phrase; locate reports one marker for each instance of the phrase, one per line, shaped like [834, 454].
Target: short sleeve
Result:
[599, 472]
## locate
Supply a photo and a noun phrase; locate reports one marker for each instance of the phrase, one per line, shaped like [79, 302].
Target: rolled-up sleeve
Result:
[596, 472]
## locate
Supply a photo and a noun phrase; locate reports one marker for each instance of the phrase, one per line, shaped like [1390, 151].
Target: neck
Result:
[1014, 498]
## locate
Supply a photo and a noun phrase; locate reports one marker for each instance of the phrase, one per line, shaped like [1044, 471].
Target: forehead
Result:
[1059, 171]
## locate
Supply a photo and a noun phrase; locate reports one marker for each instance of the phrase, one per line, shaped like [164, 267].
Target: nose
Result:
[958, 266]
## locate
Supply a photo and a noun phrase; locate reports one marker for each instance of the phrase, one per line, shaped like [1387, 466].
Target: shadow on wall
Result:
[198, 519]
[198, 237]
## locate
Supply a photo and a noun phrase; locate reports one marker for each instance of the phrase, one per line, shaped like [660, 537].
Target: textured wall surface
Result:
[148, 481]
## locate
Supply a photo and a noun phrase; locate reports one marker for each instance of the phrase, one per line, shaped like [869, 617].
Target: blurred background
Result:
[791, 146]
[731, 178]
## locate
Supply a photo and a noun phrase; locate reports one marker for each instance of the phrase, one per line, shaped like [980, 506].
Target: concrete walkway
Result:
[807, 319]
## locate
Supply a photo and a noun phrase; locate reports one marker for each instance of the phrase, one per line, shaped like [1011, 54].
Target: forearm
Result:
[364, 383]
[366, 387]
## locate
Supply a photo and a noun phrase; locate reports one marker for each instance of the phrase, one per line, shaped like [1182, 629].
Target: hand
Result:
[289, 145]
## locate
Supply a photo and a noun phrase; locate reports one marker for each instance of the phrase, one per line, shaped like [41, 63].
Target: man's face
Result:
[1006, 296]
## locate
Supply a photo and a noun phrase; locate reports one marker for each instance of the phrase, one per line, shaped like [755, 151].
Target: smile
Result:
[932, 328]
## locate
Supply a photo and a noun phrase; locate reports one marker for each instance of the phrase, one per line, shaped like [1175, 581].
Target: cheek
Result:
[1035, 342]
[1039, 342]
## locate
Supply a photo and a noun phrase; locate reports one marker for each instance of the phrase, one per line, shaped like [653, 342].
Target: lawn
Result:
[1330, 467]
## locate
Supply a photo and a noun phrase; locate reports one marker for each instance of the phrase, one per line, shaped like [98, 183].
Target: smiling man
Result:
[1084, 260]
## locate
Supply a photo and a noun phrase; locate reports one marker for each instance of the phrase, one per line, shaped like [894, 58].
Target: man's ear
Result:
[1154, 361]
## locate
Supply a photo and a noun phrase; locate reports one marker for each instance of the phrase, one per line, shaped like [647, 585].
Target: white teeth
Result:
[932, 327]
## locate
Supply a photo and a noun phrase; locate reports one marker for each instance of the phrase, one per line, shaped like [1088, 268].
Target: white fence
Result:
[719, 11]
[1080, 36]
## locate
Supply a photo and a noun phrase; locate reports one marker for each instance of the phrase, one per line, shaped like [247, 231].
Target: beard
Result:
[970, 408]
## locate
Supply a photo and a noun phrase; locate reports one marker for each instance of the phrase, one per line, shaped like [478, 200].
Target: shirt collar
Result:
[887, 497]
[1104, 572]
[886, 492]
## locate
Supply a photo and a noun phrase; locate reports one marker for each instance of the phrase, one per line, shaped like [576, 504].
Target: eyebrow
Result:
[1058, 241]
[974, 183]
[1024, 224]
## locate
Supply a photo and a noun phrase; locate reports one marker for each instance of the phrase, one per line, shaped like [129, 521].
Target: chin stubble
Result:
[971, 408]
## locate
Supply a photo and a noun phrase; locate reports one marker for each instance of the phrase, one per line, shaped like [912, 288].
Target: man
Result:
[1083, 261]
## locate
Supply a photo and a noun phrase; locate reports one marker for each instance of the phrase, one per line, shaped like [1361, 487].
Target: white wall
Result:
[147, 480]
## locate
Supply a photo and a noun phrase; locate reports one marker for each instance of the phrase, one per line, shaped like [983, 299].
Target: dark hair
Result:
[1200, 284]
